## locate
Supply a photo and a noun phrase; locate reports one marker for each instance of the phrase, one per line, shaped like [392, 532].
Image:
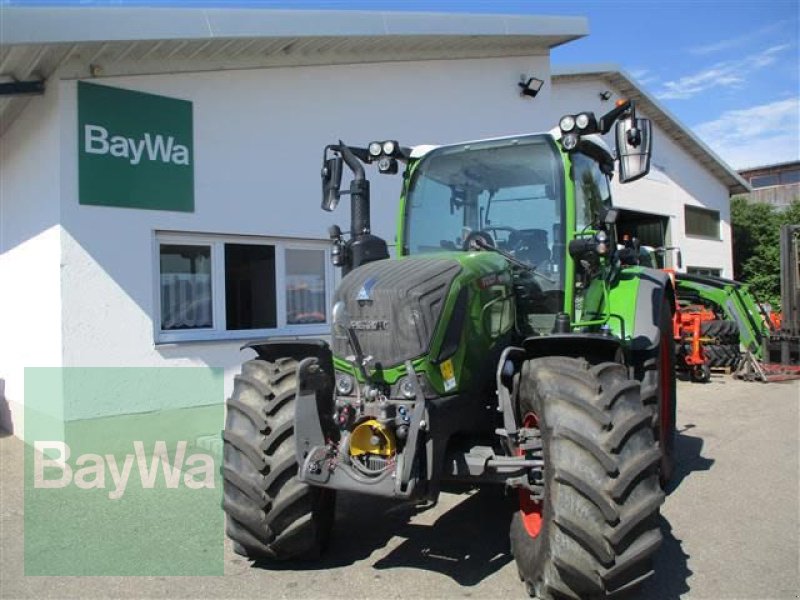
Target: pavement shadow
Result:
[670, 580]
[468, 543]
[688, 458]
[362, 525]
[6, 424]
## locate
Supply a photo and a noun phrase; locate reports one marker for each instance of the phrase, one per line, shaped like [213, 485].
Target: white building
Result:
[224, 114]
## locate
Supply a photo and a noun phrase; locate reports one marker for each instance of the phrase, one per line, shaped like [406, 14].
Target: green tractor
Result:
[504, 345]
[740, 321]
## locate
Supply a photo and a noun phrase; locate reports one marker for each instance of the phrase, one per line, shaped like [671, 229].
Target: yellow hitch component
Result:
[370, 437]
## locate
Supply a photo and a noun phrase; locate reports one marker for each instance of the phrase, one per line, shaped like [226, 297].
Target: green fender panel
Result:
[636, 299]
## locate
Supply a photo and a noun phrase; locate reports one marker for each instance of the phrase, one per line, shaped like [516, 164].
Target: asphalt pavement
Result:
[731, 525]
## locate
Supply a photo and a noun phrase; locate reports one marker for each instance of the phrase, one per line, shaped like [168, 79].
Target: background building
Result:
[159, 202]
[778, 184]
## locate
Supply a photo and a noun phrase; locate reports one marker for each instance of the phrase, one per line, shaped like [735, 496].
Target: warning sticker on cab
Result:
[448, 375]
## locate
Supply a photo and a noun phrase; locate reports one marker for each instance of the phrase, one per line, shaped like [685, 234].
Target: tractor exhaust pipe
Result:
[359, 193]
[362, 247]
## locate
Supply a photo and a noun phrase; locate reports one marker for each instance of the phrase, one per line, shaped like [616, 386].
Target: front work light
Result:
[567, 123]
[569, 141]
[407, 389]
[389, 147]
[374, 148]
[387, 165]
[582, 121]
[344, 384]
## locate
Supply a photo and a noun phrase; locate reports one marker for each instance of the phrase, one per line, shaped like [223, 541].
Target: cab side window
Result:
[591, 190]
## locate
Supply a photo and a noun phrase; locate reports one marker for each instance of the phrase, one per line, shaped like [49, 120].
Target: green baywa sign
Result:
[135, 150]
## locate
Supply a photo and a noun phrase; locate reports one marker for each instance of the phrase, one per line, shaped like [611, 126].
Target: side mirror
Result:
[634, 146]
[331, 182]
[340, 320]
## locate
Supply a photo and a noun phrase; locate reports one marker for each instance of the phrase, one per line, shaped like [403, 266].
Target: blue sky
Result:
[730, 70]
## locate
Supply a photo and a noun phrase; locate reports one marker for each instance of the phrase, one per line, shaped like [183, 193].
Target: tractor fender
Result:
[273, 349]
[314, 392]
[595, 348]
[655, 287]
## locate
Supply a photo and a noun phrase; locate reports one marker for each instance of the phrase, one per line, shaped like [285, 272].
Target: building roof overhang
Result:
[83, 42]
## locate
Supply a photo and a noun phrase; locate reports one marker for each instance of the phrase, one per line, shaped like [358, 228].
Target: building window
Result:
[250, 287]
[215, 287]
[788, 177]
[305, 286]
[701, 222]
[186, 301]
[704, 271]
[764, 181]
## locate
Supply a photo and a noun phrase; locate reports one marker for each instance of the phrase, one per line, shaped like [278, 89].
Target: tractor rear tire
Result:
[597, 527]
[656, 370]
[270, 514]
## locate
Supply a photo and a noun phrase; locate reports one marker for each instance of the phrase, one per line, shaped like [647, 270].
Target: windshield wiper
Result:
[478, 243]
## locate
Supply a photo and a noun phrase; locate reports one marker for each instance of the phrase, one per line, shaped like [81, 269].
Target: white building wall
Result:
[675, 180]
[258, 139]
[87, 274]
[30, 238]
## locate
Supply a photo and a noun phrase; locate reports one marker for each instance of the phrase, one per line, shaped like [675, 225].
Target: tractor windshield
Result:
[507, 191]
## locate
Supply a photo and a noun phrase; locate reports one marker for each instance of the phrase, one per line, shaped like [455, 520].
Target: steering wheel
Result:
[475, 235]
[495, 228]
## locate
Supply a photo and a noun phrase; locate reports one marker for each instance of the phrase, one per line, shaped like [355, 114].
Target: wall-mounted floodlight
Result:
[605, 95]
[22, 88]
[530, 86]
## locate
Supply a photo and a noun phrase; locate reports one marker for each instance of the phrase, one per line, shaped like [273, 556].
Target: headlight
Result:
[389, 148]
[344, 384]
[582, 121]
[374, 148]
[569, 141]
[408, 389]
[567, 123]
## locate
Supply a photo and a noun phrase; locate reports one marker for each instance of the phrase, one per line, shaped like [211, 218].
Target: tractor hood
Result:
[395, 305]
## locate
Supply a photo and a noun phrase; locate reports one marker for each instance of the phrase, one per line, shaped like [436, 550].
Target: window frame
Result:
[716, 238]
[218, 331]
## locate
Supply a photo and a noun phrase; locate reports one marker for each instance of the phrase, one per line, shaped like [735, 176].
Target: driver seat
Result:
[530, 245]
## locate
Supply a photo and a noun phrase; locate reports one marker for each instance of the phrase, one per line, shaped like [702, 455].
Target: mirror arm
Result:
[607, 120]
[352, 161]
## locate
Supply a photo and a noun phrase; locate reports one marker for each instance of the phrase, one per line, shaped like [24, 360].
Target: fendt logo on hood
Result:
[365, 293]
[152, 147]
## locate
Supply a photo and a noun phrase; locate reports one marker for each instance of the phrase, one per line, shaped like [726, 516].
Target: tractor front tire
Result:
[596, 530]
[270, 514]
